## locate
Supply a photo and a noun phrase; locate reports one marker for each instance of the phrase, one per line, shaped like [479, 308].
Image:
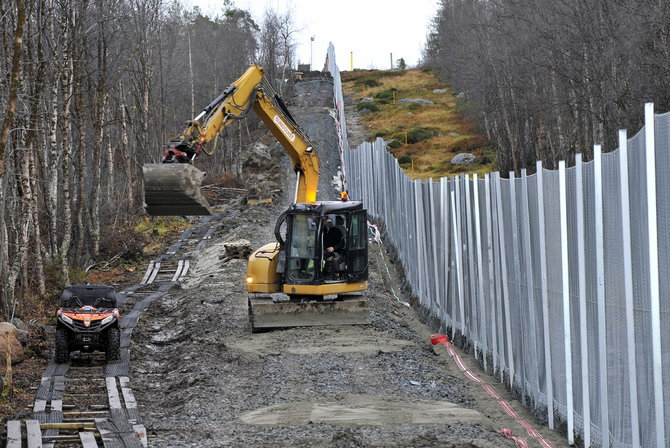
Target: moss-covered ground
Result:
[423, 137]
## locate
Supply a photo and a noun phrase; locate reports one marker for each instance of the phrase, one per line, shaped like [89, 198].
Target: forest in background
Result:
[547, 79]
[93, 89]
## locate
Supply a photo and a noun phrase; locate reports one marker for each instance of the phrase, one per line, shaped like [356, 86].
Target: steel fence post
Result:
[457, 243]
[469, 249]
[517, 282]
[503, 269]
[434, 245]
[530, 285]
[458, 228]
[495, 178]
[565, 276]
[600, 278]
[654, 281]
[628, 287]
[453, 275]
[419, 239]
[581, 268]
[545, 295]
[480, 274]
[492, 288]
[445, 241]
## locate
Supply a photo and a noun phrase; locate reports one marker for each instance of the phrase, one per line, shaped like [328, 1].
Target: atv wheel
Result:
[62, 349]
[113, 352]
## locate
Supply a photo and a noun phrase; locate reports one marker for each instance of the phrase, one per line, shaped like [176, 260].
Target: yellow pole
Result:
[394, 100]
[351, 61]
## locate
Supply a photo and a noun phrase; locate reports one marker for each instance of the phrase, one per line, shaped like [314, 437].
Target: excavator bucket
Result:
[265, 313]
[173, 189]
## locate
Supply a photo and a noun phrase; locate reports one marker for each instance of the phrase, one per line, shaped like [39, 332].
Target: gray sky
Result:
[371, 29]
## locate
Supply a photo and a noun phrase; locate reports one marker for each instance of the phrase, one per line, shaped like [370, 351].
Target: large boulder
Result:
[11, 333]
[463, 159]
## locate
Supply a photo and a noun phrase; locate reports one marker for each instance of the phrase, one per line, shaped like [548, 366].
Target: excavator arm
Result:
[171, 189]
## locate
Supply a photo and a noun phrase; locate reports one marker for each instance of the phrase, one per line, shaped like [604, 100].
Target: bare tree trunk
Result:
[125, 151]
[35, 216]
[31, 198]
[14, 75]
[14, 81]
[99, 128]
[81, 164]
[68, 83]
[54, 155]
[22, 228]
[97, 167]
[190, 70]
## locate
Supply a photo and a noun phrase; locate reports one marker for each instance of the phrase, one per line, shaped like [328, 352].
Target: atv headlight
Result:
[107, 320]
[65, 319]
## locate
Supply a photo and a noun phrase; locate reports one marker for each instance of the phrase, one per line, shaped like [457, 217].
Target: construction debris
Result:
[237, 249]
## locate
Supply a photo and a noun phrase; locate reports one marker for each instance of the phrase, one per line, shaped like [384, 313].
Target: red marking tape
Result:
[460, 364]
[545, 443]
[511, 412]
[472, 376]
[520, 441]
[529, 429]
[439, 338]
[490, 391]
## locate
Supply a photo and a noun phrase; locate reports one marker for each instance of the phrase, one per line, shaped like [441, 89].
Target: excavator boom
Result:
[173, 188]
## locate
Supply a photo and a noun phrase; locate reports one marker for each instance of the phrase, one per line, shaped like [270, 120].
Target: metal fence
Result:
[559, 281]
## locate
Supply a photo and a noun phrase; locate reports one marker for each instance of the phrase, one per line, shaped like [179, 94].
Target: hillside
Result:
[418, 115]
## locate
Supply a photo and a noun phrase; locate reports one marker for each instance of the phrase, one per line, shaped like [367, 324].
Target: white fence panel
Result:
[559, 281]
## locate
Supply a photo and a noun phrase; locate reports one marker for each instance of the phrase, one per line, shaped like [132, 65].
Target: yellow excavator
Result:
[316, 272]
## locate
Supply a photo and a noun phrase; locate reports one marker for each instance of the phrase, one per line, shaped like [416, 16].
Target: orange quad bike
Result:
[88, 320]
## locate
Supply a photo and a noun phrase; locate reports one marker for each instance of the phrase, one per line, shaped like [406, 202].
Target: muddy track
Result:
[90, 402]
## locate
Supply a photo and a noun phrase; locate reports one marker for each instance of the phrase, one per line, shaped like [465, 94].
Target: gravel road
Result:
[202, 379]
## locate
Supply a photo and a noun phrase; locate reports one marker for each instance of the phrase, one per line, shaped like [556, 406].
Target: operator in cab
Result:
[333, 245]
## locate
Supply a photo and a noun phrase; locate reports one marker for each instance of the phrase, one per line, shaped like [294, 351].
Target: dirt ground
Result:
[202, 379]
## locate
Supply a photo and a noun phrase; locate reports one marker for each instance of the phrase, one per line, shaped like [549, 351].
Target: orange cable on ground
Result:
[439, 338]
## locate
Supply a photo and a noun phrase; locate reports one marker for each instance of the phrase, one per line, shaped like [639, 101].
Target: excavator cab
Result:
[308, 259]
[298, 281]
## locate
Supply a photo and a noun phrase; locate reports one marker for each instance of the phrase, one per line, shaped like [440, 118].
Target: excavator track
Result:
[266, 313]
[89, 402]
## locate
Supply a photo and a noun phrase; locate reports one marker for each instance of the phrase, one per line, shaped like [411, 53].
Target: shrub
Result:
[394, 73]
[419, 134]
[485, 159]
[468, 144]
[372, 107]
[395, 143]
[371, 83]
[386, 95]
[404, 160]
[125, 242]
